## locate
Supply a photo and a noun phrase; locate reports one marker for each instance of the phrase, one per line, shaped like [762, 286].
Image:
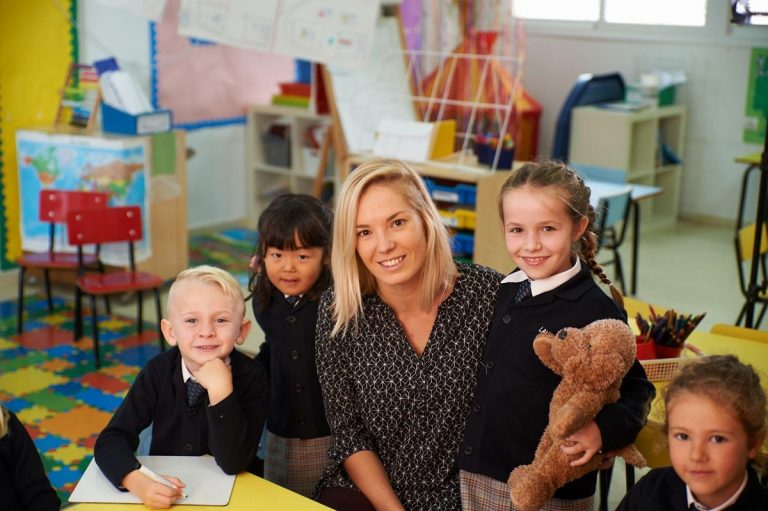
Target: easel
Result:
[333, 139]
[753, 289]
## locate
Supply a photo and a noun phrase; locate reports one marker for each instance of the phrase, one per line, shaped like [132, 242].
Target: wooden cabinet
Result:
[281, 154]
[648, 145]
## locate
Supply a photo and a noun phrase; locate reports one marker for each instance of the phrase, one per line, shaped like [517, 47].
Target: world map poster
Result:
[89, 163]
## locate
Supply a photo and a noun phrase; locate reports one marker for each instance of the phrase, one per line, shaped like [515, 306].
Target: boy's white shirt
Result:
[724, 505]
[543, 285]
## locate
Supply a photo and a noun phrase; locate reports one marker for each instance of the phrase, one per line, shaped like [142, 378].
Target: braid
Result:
[588, 249]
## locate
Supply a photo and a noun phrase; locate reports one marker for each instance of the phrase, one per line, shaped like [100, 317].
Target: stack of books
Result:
[296, 94]
[80, 96]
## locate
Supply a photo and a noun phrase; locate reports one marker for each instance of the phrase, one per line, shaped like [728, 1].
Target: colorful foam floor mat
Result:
[51, 382]
[229, 249]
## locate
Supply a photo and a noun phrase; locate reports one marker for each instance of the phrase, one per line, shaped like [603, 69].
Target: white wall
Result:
[717, 66]
[216, 172]
[716, 62]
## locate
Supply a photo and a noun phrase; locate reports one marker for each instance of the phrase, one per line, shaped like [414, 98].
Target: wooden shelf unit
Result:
[264, 179]
[631, 141]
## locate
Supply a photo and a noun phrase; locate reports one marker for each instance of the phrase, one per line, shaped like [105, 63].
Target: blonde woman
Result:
[399, 339]
[23, 483]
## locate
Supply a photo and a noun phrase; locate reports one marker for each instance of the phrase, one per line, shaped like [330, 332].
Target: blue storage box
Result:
[486, 153]
[463, 243]
[460, 193]
[117, 121]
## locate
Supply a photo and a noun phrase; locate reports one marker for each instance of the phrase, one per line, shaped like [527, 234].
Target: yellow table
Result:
[652, 441]
[249, 492]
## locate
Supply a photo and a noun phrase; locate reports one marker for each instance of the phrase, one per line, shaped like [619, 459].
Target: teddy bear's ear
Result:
[542, 346]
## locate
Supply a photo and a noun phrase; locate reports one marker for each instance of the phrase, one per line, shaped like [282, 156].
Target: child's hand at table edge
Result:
[153, 494]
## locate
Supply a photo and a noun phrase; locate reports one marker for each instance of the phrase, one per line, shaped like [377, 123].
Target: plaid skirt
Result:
[296, 464]
[483, 493]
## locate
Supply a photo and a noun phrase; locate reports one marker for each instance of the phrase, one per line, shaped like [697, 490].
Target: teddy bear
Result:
[592, 362]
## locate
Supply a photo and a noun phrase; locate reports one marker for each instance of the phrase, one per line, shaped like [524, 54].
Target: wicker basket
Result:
[664, 369]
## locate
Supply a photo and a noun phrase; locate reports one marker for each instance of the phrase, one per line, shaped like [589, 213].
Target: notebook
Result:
[207, 484]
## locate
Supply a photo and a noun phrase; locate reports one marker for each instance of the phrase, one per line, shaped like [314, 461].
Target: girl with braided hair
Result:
[548, 227]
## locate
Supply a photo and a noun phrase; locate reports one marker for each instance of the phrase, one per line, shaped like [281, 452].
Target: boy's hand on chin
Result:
[216, 377]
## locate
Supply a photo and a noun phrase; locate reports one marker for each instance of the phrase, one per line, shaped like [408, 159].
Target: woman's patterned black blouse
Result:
[409, 409]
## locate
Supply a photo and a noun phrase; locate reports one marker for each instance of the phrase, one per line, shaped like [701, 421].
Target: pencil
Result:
[160, 479]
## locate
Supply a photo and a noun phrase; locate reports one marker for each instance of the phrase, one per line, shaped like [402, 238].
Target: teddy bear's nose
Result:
[561, 334]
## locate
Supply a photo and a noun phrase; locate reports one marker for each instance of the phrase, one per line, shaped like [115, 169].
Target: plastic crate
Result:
[277, 150]
[465, 218]
[458, 218]
[463, 243]
[449, 218]
[459, 193]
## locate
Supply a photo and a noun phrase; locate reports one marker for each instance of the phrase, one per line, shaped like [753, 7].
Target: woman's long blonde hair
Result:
[351, 279]
[3, 421]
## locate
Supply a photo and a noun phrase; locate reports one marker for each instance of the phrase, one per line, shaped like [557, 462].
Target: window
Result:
[749, 12]
[690, 13]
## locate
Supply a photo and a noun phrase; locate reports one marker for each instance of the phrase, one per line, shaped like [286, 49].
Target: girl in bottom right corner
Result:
[716, 424]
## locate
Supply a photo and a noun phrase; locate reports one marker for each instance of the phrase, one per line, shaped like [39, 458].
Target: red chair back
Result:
[54, 204]
[104, 226]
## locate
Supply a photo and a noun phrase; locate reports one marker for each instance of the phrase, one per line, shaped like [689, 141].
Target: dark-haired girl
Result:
[291, 260]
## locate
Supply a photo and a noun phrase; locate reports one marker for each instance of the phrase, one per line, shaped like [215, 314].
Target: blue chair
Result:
[595, 173]
[145, 441]
[588, 90]
[612, 216]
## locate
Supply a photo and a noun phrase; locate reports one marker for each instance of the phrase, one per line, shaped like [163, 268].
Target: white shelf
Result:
[630, 141]
[265, 180]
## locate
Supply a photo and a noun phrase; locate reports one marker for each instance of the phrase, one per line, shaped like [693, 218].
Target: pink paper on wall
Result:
[210, 84]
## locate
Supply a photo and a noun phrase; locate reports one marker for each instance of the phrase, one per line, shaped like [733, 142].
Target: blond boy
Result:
[201, 397]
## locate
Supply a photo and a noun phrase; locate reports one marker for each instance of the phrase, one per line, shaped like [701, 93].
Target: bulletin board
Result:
[207, 84]
[757, 96]
[32, 70]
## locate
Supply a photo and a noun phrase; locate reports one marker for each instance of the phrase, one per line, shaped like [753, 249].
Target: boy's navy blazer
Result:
[229, 430]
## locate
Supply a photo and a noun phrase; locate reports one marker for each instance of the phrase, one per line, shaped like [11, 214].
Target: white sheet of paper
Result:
[407, 140]
[207, 484]
[328, 31]
[150, 9]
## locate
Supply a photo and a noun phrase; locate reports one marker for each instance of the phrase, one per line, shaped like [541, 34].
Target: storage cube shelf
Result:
[647, 144]
[279, 163]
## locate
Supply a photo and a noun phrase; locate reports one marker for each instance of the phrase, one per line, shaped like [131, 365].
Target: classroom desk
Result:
[750, 352]
[652, 441]
[249, 492]
[639, 193]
